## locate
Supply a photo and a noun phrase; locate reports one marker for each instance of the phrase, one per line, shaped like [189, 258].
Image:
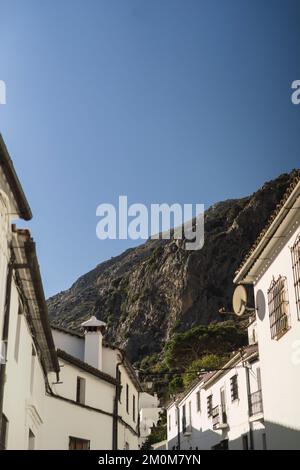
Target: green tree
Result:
[207, 362]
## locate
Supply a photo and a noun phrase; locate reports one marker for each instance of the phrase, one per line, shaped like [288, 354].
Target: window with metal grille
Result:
[133, 407]
[234, 389]
[278, 307]
[295, 251]
[198, 400]
[127, 398]
[209, 405]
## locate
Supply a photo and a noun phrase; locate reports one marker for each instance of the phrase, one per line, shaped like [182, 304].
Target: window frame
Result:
[198, 401]
[234, 388]
[127, 398]
[278, 305]
[295, 254]
[78, 440]
[80, 390]
[209, 405]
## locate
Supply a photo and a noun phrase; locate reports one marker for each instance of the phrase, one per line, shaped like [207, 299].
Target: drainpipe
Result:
[116, 406]
[178, 427]
[4, 336]
[249, 405]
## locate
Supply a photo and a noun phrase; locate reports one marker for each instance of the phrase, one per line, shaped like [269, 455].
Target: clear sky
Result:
[161, 100]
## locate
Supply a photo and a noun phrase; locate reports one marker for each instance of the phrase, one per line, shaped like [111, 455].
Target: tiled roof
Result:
[279, 206]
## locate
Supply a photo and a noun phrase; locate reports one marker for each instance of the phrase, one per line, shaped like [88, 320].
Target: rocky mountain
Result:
[150, 292]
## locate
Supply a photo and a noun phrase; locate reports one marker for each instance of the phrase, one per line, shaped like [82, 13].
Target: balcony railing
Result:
[219, 417]
[255, 403]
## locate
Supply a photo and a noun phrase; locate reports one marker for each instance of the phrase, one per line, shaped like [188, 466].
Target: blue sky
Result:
[164, 101]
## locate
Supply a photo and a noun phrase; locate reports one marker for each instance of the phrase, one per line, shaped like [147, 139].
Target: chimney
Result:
[93, 335]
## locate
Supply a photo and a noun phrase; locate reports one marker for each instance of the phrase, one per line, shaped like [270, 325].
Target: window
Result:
[17, 338]
[198, 400]
[32, 367]
[169, 421]
[76, 443]
[258, 375]
[209, 406]
[127, 398]
[3, 432]
[31, 440]
[80, 390]
[278, 307]
[183, 419]
[295, 251]
[190, 413]
[133, 407]
[234, 389]
[245, 442]
[119, 381]
[264, 441]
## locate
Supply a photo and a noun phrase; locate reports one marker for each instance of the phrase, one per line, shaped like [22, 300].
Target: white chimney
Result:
[93, 335]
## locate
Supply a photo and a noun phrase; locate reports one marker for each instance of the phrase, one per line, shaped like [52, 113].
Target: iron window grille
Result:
[215, 416]
[209, 406]
[295, 251]
[234, 389]
[198, 400]
[278, 307]
[255, 403]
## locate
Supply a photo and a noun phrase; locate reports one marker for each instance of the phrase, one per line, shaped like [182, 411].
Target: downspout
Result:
[248, 396]
[4, 336]
[178, 426]
[116, 406]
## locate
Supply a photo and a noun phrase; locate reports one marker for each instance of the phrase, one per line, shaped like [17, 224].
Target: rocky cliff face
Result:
[149, 292]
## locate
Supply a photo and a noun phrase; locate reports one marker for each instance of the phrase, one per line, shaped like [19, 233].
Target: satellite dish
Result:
[239, 300]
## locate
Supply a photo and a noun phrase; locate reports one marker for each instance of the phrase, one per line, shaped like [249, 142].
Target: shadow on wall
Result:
[270, 436]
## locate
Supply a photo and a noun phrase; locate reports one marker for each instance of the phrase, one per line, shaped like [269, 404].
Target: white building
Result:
[149, 414]
[273, 268]
[80, 393]
[97, 377]
[222, 410]
[253, 403]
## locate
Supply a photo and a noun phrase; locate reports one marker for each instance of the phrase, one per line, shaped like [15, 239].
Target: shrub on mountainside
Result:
[216, 338]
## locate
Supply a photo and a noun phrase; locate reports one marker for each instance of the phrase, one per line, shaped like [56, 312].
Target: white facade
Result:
[210, 416]
[128, 404]
[149, 414]
[270, 262]
[83, 396]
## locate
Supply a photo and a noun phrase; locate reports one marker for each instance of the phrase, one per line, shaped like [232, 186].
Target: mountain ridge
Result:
[148, 293]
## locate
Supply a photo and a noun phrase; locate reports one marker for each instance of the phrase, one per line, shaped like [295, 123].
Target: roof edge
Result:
[14, 182]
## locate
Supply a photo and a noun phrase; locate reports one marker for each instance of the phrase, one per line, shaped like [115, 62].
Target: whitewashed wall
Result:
[280, 359]
[23, 403]
[71, 344]
[202, 435]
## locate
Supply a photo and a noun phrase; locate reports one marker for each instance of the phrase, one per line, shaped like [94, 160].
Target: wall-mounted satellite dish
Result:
[239, 300]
